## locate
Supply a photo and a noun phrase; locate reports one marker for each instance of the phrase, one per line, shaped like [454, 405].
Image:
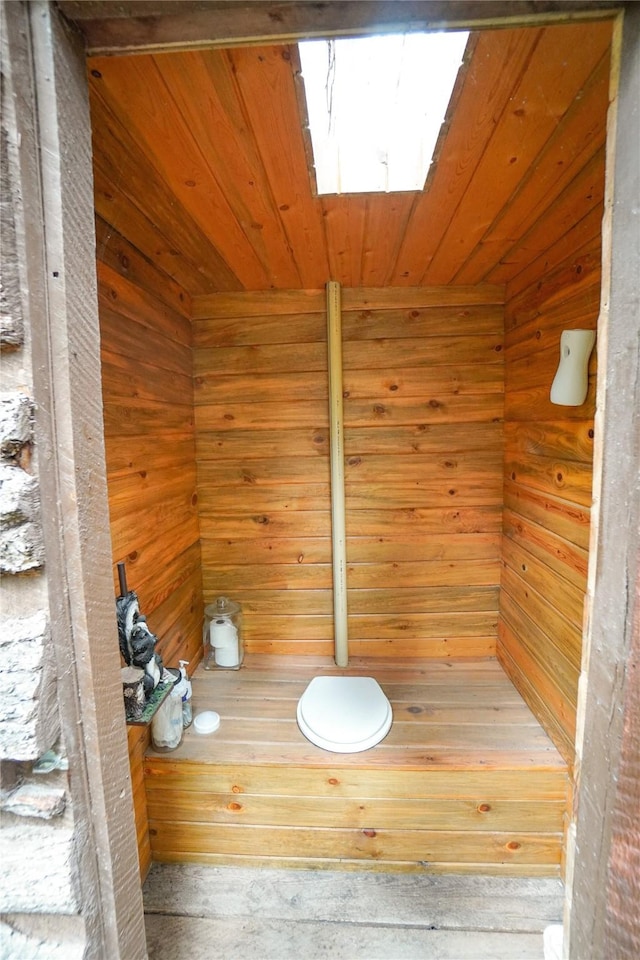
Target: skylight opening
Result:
[375, 107]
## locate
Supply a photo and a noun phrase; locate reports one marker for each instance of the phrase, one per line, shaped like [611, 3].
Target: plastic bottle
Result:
[187, 692]
[166, 726]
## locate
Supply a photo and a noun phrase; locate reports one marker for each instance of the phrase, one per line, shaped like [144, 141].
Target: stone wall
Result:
[38, 874]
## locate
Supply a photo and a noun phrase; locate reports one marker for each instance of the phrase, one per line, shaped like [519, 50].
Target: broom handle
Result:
[122, 578]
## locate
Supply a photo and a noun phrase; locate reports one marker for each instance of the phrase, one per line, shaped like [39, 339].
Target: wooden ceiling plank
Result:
[581, 133]
[386, 222]
[130, 26]
[584, 194]
[265, 77]
[344, 223]
[204, 89]
[135, 88]
[117, 154]
[540, 100]
[498, 57]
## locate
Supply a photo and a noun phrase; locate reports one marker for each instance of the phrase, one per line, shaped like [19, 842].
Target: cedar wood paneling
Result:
[423, 404]
[466, 781]
[515, 198]
[548, 477]
[202, 154]
[149, 438]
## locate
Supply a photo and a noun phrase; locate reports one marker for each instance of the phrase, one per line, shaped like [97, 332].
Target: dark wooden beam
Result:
[160, 25]
[604, 916]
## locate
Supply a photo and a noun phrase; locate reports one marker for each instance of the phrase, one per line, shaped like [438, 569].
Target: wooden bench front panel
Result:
[466, 781]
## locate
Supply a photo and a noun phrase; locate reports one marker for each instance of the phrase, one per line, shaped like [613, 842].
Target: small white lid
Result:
[206, 722]
[344, 714]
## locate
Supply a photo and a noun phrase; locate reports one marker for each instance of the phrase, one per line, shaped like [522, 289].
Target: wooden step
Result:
[466, 780]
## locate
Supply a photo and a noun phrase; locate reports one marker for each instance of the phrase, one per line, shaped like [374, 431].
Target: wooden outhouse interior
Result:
[468, 492]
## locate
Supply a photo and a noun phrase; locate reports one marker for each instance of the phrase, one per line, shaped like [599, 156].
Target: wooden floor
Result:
[227, 912]
[465, 781]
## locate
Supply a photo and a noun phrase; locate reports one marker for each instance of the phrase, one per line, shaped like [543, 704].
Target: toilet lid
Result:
[344, 714]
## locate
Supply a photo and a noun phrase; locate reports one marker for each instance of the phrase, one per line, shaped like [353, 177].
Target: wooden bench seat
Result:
[465, 781]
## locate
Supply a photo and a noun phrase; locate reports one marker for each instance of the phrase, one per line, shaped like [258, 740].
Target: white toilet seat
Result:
[344, 714]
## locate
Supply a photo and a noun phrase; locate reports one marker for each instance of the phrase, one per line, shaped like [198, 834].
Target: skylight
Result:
[375, 107]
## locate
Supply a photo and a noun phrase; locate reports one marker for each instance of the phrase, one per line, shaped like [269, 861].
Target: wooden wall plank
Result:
[424, 351]
[138, 741]
[568, 479]
[548, 670]
[435, 814]
[560, 516]
[252, 330]
[555, 438]
[361, 413]
[281, 302]
[380, 298]
[548, 463]
[568, 560]
[545, 699]
[150, 459]
[353, 782]
[446, 549]
[540, 577]
[337, 844]
[142, 305]
[157, 452]
[470, 319]
[115, 251]
[422, 467]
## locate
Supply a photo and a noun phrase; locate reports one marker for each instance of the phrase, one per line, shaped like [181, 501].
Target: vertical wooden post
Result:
[338, 518]
[60, 291]
[603, 856]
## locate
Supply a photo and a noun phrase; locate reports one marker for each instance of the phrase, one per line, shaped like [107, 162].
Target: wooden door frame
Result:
[612, 597]
[603, 856]
[44, 68]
